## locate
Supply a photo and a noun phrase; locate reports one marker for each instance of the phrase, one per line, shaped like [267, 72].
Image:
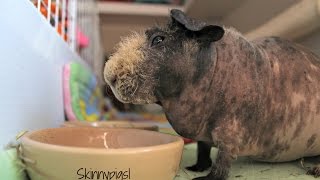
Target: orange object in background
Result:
[44, 12]
[60, 31]
[44, 5]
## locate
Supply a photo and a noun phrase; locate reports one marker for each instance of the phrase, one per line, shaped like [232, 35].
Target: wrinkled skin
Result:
[259, 99]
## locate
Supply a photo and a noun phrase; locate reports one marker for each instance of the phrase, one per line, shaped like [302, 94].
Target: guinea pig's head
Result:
[160, 62]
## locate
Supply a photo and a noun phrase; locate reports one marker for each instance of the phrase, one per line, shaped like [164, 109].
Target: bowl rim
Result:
[135, 125]
[27, 141]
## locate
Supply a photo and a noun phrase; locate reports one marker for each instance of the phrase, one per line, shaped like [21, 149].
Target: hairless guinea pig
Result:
[247, 98]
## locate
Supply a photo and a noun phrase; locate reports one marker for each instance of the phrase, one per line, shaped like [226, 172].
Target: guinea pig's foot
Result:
[209, 177]
[215, 174]
[201, 178]
[200, 166]
[315, 171]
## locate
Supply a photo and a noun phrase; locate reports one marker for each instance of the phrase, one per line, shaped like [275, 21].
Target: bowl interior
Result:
[101, 137]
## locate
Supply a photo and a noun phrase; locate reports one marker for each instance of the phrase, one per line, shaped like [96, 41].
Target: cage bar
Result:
[39, 5]
[63, 18]
[72, 17]
[49, 10]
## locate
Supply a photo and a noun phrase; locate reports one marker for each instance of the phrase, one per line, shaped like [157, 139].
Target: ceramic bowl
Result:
[100, 153]
[112, 124]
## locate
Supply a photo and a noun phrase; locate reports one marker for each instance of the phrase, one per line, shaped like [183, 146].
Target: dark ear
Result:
[180, 18]
[200, 29]
[210, 33]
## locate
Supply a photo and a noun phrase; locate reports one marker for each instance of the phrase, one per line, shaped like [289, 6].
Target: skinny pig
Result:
[258, 98]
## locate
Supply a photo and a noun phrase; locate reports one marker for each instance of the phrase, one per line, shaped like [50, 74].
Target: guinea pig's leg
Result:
[227, 140]
[203, 157]
[315, 170]
[220, 169]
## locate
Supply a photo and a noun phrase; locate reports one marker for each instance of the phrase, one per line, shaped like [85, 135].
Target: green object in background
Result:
[86, 96]
[10, 166]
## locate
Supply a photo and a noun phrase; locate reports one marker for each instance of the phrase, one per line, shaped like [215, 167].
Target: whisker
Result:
[134, 91]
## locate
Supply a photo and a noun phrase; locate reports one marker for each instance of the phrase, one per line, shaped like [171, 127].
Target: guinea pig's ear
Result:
[210, 33]
[199, 29]
[179, 18]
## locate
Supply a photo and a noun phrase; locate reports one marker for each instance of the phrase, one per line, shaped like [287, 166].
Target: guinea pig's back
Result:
[294, 95]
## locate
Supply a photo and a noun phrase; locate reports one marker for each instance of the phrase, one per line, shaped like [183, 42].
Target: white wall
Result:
[253, 13]
[31, 59]
[312, 41]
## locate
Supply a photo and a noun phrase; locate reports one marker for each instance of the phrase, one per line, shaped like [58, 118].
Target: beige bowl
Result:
[112, 124]
[80, 152]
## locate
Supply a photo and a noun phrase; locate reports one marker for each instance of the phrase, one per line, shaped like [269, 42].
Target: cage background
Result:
[70, 16]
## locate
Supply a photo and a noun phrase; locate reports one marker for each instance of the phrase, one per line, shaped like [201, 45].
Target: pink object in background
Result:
[66, 93]
[82, 39]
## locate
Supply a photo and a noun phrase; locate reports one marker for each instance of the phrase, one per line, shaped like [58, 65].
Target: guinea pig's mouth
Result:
[124, 94]
[132, 94]
[127, 94]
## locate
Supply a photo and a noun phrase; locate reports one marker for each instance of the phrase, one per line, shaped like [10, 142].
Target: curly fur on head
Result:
[125, 74]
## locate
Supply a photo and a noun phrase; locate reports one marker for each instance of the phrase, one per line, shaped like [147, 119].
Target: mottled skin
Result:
[259, 99]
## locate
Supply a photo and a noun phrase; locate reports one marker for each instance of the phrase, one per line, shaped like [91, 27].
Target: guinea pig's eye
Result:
[157, 40]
